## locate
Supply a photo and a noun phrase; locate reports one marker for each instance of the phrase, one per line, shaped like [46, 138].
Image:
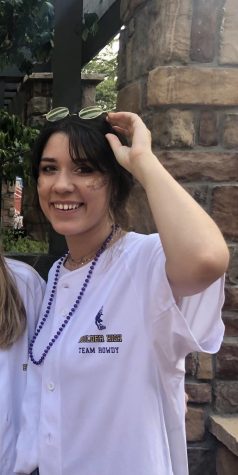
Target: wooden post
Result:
[66, 74]
[67, 54]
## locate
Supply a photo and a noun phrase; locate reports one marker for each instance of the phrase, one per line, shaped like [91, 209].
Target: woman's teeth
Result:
[66, 207]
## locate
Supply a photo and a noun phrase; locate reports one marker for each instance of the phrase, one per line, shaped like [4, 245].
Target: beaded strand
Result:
[74, 307]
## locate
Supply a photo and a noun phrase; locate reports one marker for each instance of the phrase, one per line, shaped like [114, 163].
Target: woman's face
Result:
[73, 197]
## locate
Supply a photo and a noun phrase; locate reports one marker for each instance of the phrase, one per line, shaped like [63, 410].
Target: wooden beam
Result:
[67, 54]
[108, 26]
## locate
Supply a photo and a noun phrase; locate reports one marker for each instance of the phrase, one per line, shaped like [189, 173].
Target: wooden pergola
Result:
[70, 52]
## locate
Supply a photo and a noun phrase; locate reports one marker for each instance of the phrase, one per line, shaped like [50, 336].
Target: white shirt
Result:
[13, 363]
[111, 389]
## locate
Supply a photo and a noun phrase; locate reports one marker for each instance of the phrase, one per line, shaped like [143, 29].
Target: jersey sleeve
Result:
[194, 324]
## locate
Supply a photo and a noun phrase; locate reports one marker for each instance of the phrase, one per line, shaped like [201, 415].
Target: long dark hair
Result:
[87, 141]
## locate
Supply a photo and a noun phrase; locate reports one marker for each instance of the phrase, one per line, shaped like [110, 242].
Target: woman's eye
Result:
[84, 170]
[47, 168]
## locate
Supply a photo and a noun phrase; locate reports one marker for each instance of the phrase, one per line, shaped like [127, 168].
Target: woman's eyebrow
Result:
[47, 159]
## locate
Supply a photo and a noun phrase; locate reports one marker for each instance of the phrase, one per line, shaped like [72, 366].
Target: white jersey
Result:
[109, 397]
[13, 363]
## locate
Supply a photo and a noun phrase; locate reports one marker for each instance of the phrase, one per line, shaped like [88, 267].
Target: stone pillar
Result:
[8, 210]
[178, 68]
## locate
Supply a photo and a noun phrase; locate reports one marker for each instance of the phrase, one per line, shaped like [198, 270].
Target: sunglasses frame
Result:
[87, 113]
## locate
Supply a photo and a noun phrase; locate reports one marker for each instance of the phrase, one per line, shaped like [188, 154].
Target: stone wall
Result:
[178, 68]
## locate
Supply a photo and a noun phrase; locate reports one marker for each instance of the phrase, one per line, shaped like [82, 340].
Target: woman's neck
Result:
[87, 243]
[73, 262]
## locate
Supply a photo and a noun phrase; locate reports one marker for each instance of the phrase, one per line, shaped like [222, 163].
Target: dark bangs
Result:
[87, 141]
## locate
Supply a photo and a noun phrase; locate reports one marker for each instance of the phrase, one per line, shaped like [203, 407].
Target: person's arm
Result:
[196, 253]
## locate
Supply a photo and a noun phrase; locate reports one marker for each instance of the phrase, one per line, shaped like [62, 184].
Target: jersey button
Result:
[51, 386]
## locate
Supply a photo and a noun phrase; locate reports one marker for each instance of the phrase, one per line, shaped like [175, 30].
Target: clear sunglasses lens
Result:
[91, 112]
[56, 114]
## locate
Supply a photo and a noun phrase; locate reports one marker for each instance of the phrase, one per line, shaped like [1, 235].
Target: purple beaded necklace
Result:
[76, 304]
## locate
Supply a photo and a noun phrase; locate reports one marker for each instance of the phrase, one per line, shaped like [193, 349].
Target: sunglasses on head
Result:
[59, 113]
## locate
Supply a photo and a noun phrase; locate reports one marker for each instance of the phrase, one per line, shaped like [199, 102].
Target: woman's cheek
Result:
[95, 183]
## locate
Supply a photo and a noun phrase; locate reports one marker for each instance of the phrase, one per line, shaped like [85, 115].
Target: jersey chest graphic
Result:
[99, 343]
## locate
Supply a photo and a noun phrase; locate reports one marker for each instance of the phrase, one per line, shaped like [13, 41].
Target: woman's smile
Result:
[67, 206]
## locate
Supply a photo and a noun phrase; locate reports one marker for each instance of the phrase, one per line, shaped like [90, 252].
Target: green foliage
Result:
[105, 63]
[16, 141]
[14, 242]
[27, 32]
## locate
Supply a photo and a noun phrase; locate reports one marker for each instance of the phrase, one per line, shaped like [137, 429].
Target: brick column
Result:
[178, 68]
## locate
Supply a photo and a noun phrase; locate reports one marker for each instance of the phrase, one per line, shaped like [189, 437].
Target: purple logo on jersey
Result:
[99, 321]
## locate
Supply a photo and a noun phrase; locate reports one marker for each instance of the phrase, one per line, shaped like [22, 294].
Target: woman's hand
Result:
[136, 156]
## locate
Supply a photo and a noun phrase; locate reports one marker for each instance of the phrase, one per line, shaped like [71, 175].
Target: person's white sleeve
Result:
[195, 324]
[27, 446]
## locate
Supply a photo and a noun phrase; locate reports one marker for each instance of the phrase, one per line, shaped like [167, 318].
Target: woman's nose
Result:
[64, 183]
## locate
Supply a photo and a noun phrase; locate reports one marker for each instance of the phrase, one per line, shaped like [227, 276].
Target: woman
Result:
[21, 295]
[121, 310]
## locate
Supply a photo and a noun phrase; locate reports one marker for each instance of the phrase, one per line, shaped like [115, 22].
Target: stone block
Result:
[225, 209]
[127, 8]
[7, 221]
[43, 88]
[160, 34]
[227, 359]
[140, 217]
[122, 62]
[195, 424]
[226, 461]
[8, 201]
[191, 363]
[130, 98]
[225, 429]
[230, 320]
[38, 105]
[228, 52]
[203, 31]
[205, 368]
[136, 48]
[226, 397]
[208, 129]
[192, 86]
[230, 131]
[232, 273]
[201, 459]
[173, 128]
[37, 121]
[231, 300]
[170, 35]
[199, 165]
[198, 392]
[10, 187]
[11, 211]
